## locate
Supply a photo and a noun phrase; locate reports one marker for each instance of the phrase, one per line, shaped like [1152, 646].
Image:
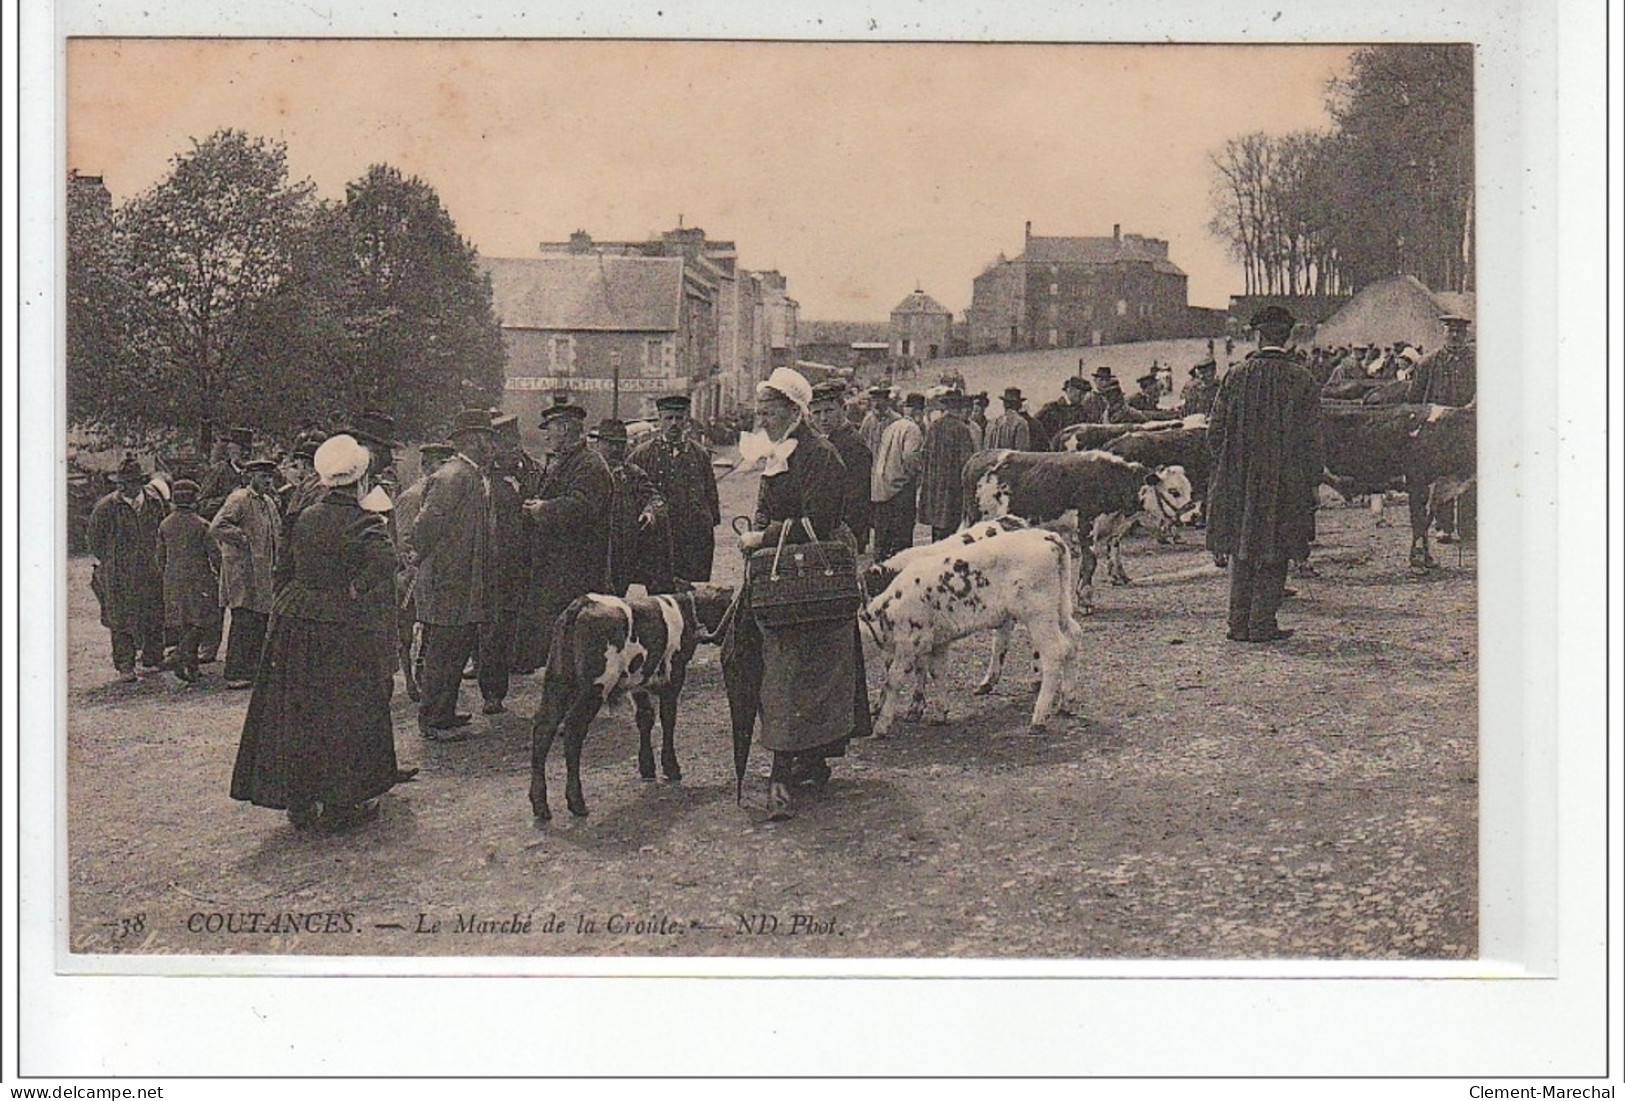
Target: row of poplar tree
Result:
[229, 294]
[1387, 191]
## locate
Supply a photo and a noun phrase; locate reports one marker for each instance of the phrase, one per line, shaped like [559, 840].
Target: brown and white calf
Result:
[953, 589]
[605, 645]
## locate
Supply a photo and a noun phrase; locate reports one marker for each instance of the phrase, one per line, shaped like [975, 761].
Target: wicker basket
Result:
[801, 583]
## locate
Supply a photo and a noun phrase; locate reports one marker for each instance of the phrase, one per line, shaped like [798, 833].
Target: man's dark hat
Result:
[1149, 376]
[1012, 396]
[471, 420]
[915, 401]
[305, 446]
[1451, 319]
[1208, 364]
[372, 427]
[1272, 317]
[506, 424]
[437, 451]
[266, 465]
[880, 390]
[980, 397]
[832, 390]
[183, 493]
[1073, 382]
[129, 471]
[956, 399]
[610, 430]
[1103, 373]
[673, 403]
[560, 410]
[242, 437]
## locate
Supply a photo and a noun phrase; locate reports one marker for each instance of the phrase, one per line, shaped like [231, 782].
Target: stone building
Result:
[1065, 292]
[920, 329]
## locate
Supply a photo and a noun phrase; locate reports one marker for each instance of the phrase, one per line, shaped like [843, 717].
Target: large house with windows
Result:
[1066, 292]
[614, 331]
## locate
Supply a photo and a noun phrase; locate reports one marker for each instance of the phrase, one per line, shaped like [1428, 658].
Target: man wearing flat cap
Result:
[681, 470]
[123, 534]
[1115, 408]
[303, 486]
[1264, 432]
[639, 531]
[1150, 395]
[1447, 375]
[827, 411]
[431, 457]
[1197, 395]
[882, 409]
[948, 443]
[452, 539]
[248, 528]
[569, 526]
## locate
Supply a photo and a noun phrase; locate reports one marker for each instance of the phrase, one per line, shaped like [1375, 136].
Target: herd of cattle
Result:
[1036, 525]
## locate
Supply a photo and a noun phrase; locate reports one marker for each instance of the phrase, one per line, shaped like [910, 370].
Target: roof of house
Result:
[1098, 250]
[587, 292]
[920, 302]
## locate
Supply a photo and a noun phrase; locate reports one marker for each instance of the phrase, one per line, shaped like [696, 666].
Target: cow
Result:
[1109, 494]
[1182, 447]
[959, 588]
[1093, 437]
[1430, 451]
[605, 645]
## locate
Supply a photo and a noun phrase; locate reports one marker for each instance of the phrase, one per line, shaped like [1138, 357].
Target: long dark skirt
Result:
[318, 726]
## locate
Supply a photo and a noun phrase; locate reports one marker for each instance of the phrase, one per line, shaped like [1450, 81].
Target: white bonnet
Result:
[789, 383]
[341, 461]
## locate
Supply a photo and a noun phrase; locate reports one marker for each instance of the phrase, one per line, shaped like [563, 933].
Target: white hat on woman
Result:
[341, 461]
[796, 389]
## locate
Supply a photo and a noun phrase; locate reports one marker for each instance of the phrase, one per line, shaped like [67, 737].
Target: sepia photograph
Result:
[674, 513]
[1027, 540]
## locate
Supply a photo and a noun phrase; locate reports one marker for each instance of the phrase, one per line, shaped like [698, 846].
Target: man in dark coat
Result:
[510, 566]
[123, 535]
[1075, 406]
[681, 470]
[1197, 396]
[948, 443]
[375, 431]
[639, 528]
[1115, 409]
[569, 523]
[452, 539]
[1150, 395]
[828, 415]
[1447, 375]
[1264, 432]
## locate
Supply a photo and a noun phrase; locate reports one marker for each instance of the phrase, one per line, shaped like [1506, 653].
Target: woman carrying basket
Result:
[805, 679]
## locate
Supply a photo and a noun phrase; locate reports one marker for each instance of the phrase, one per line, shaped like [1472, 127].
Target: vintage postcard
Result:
[444, 420]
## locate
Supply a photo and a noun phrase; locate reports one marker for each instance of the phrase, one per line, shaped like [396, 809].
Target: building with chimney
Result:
[1065, 292]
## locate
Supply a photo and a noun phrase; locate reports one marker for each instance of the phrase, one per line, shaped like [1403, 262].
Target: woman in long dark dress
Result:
[806, 682]
[318, 739]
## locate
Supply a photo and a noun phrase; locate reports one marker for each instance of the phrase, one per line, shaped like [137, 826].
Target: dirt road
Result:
[1315, 798]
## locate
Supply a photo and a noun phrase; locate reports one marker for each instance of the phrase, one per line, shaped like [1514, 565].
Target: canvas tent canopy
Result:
[1395, 309]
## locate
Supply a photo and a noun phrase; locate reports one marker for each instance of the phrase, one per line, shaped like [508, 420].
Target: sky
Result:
[859, 170]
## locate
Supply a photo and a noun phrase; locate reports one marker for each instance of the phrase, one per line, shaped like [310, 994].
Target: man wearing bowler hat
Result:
[1264, 432]
[451, 539]
[510, 565]
[1197, 396]
[1150, 395]
[1010, 429]
[1076, 405]
[948, 443]
[123, 533]
[681, 470]
[569, 524]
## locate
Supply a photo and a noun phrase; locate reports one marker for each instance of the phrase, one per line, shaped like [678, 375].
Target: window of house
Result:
[1122, 307]
[1054, 289]
[1054, 338]
[907, 346]
[562, 355]
[654, 356]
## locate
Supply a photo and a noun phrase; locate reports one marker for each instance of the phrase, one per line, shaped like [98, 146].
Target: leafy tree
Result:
[210, 246]
[421, 338]
[99, 307]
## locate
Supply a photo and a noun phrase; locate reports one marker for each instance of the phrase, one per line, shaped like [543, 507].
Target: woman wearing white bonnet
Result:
[318, 741]
[806, 681]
